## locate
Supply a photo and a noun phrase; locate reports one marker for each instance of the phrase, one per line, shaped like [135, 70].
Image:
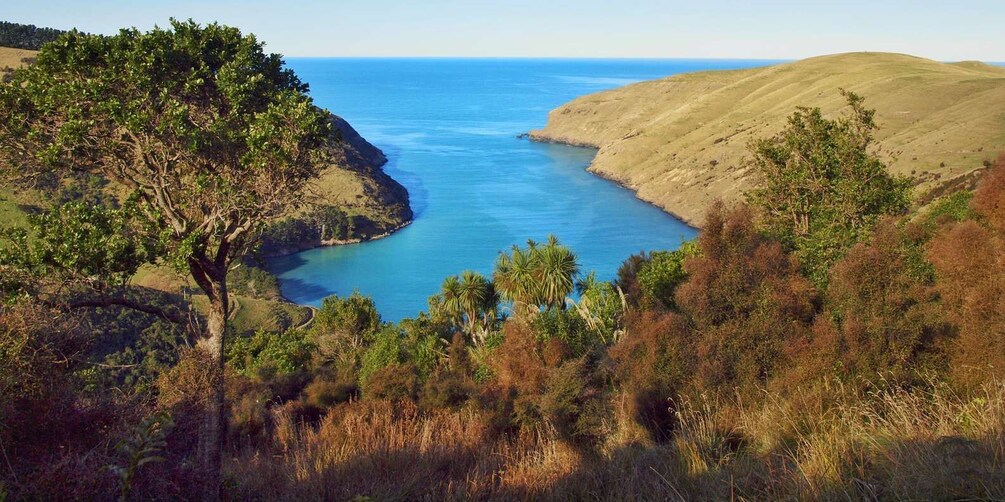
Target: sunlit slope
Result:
[12, 58]
[680, 142]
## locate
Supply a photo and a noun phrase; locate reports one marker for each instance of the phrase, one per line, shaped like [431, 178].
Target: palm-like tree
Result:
[514, 276]
[470, 301]
[555, 273]
[539, 276]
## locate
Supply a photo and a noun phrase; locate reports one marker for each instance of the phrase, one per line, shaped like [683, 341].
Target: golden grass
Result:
[680, 141]
[924, 444]
[11, 58]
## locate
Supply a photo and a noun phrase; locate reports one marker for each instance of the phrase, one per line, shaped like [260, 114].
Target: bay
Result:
[450, 128]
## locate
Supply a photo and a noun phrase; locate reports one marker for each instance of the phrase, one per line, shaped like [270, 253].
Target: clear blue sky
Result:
[938, 29]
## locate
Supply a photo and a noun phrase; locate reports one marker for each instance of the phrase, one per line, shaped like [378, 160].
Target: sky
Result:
[758, 29]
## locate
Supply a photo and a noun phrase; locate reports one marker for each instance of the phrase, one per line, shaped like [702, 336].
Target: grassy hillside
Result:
[680, 142]
[12, 58]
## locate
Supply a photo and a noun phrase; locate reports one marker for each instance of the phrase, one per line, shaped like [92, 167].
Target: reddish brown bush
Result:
[746, 300]
[883, 317]
[989, 200]
[394, 382]
[654, 360]
[451, 384]
[969, 261]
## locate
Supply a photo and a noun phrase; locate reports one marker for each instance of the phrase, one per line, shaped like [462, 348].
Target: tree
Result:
[822, 187]
[470, 300]
[213, 137]
[342, 327]
[538, 275]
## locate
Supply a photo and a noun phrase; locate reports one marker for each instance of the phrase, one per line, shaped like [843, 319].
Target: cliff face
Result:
[681, 142]
[360, 186]
[352, 200]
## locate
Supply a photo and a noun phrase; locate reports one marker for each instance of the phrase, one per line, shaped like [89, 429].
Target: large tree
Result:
[823, 185]
[211, 135]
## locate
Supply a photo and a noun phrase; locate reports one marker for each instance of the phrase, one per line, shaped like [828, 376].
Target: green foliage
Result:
[538, 275]
[386, 349]
[569, 327]
[142, 447]
[131, 351]
[469, 301]
[255, 282]
[424, 343]
[822, 187]
[659, 276]
[343, 327]
[91, 243]
[953, 207]
[283, 353]
[601, 306]
[211, 135]
[320, 224]
[26, 36]
[355, 314]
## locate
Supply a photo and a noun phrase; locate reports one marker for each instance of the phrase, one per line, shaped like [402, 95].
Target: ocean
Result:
[450, 129]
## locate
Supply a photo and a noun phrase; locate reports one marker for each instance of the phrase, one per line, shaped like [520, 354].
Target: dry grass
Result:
[924, 444]
[680, 141]
[12, 58]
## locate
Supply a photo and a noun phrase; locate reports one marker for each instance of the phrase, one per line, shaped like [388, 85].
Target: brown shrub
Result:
[746, 300]
[323, 393]
[989, 200]
[394, 382]
[186, 391]
[653, 361]
[968, 260]
[451, 384]
[883, 317]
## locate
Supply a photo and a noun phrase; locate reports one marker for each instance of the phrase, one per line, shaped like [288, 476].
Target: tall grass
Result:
[929, 443]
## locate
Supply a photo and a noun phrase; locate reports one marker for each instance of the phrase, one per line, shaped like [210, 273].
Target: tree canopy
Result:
[823, 186]
[26, 36]
[211, 136]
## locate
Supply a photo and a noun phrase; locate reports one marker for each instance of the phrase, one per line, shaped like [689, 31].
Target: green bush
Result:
[284, 353]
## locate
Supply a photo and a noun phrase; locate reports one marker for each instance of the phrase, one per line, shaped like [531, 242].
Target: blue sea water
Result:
[449, 128]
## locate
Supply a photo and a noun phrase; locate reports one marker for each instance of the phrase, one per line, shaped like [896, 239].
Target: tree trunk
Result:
[213, 433]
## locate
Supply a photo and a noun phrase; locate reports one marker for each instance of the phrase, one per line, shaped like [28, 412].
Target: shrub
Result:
[821, 185]
[385, 350]
[653, 362]
[269, 355]
[746, 300]
[343, 326]
[659, 276]
[888, 319]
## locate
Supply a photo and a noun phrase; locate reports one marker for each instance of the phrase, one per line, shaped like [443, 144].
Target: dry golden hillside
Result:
[12, 58]
[680, 142]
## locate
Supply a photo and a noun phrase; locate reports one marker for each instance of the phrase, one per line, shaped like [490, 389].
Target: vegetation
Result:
[26, 36]
[821, 187]
[744, 365]
[212, 136]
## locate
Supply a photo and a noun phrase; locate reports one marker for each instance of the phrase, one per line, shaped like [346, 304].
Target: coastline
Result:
[338, 242]
[538, 137]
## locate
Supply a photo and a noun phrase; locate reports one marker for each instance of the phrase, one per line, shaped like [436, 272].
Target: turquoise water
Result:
[449, 128]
